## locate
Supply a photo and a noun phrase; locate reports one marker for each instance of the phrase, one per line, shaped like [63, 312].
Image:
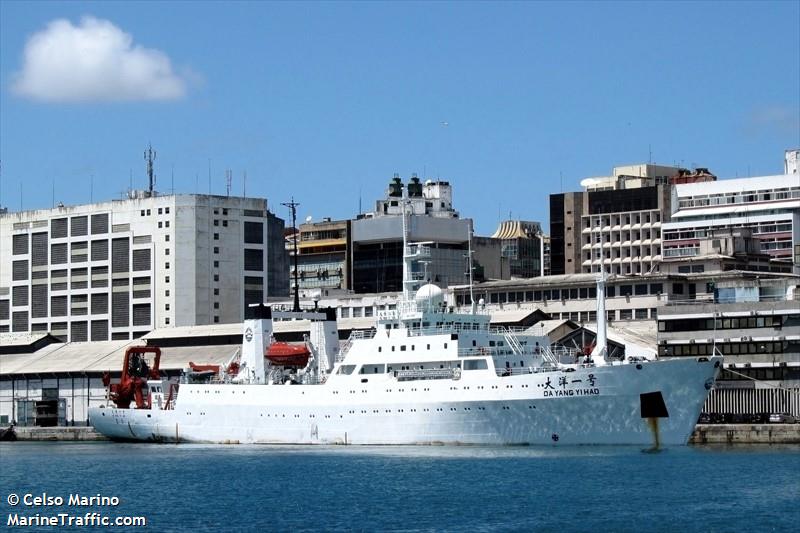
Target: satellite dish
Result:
[309, 219]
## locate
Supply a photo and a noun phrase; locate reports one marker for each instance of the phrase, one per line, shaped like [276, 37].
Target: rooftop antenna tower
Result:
[150, 157]
[293, 206]
[228, 181]
[244, 184]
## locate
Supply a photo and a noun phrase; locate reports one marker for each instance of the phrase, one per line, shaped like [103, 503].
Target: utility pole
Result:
[293, 206]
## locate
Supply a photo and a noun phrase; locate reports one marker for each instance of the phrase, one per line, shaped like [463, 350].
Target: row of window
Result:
[726, 348]
[618, 220]
[161, 211]
[710, 324]
[636, 253]
[743, 197]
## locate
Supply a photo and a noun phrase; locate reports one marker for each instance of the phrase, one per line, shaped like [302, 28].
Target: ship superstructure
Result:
[423, 375]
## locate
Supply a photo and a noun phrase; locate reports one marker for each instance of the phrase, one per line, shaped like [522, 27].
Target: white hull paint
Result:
[596, 405]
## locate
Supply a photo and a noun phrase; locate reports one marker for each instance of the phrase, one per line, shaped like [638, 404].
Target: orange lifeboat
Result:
[285, 354]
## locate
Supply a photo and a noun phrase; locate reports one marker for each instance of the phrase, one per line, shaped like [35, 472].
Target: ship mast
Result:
[408, 257]
[469, 266]
[293, 206]
[600, 346]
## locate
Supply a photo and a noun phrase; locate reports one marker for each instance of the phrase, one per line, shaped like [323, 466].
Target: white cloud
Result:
[93, 61]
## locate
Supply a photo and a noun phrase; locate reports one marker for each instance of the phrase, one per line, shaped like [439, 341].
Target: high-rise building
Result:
[614, 224]
[116, 270]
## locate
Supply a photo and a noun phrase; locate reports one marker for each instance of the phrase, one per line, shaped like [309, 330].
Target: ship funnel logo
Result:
[248, 334]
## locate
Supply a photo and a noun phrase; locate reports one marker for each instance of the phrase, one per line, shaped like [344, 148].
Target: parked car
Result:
[782, 418]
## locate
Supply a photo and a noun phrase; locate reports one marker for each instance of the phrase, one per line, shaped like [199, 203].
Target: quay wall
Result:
[703, 434]
[746, 434]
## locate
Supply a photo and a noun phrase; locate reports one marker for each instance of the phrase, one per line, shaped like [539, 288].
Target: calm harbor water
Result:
[239, 488]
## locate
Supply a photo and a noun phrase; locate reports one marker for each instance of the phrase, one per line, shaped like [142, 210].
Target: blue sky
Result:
[326, 100]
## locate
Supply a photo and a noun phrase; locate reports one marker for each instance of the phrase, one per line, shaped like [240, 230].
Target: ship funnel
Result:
[256, 335]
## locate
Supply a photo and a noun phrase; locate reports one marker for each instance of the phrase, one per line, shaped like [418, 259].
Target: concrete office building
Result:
[754, 321]
[377, 238]
[119, 269]
[768, 206]
[615, 223]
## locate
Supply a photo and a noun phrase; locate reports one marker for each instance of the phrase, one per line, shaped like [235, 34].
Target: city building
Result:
[768, 206]
[116, 270]
[522, 244]
[615, 223]
[754, 321]
[377, 238]
[323, 255]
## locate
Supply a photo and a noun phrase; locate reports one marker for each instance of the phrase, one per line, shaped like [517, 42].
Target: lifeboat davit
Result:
[285, 354]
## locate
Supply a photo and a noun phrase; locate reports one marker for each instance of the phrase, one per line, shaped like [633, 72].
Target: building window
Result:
[166, 224]
[224, 211]
[216, 320]
[225, 223]
[216, 305]
[166, 307]
[166, 279]
[166, 210]
[166, 251]
[344, 312]
[216, 277]
[216, 264]
[160, 224]
[216, 236]
[142, 213]
[166, 292]
[159, 210]
[216, 292]
[216, 222]
[216, 249]
[148, 212]
[166, 238]
[166, 321]
[166, 265]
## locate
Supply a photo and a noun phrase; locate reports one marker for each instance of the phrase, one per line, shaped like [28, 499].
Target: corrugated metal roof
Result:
[543, 328]
[508, 316]
[98, 357]
[211, 330]
[20, 339]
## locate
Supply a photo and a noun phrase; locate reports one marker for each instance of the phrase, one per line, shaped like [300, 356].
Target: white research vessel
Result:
[424, 375]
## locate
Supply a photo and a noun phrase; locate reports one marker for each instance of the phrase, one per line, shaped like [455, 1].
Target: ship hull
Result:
[648, 404]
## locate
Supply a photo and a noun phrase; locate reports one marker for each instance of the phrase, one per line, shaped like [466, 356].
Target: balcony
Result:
[681, 252]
